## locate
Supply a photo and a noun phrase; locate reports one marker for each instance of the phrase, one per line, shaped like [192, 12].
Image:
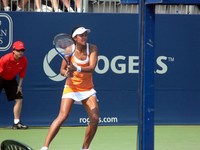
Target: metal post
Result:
[84, 6]
[146, 90]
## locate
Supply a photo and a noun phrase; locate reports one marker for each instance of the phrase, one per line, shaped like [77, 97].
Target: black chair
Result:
[14, 145]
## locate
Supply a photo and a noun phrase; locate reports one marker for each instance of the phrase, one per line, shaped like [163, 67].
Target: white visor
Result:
[80, 30]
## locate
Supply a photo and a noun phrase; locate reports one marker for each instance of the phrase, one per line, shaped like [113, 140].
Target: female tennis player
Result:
[78, 87]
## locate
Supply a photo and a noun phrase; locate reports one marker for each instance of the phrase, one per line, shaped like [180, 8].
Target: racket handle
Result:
[68, 75]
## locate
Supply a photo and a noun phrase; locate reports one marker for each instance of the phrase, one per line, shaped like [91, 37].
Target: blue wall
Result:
[177, 71]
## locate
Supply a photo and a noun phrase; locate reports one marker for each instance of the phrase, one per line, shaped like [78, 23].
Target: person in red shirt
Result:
[11, 65]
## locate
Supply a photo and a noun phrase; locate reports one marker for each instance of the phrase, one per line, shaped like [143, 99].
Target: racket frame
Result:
[71, 43]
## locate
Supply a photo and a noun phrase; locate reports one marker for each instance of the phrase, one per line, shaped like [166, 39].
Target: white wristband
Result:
[78, 68]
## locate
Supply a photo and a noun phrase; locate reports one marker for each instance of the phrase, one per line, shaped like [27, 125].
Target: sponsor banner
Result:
[117, 73]
[6, 32]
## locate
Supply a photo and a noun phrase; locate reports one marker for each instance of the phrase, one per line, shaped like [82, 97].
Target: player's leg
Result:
[92, 109]
[22, 5]
[38, 5]
[17, 113]
[10, 87]
[65, 108]
[67, 5]
[17, 108]
[78, 6]
[6, 5]
[55, 4]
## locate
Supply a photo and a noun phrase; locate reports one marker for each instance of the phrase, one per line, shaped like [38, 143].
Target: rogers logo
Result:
[47, 68]
[119, 65]
[129, 64]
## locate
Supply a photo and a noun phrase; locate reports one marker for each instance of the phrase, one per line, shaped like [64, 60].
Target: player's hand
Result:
[71, 67]
[69, 72]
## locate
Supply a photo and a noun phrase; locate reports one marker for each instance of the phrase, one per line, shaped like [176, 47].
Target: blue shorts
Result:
[10, 87]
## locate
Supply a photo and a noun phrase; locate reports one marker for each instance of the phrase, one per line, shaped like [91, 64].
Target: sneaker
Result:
[38, 10]
[70, 9]
[19, 9]
[58, 10]
[44, 148]
[7, 8]
[19, 126]
[46, 8]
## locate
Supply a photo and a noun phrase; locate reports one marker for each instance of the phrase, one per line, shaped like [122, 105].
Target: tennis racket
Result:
[61, 42]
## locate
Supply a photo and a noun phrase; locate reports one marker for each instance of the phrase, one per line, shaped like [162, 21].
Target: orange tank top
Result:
[80, 81]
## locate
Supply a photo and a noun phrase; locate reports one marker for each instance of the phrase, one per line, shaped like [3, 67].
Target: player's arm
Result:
[63, 68]
[93, 59]
[92, 63]
[19, 88]
[22, 74]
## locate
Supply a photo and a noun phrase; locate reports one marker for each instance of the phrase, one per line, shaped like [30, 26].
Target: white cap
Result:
[80, 30]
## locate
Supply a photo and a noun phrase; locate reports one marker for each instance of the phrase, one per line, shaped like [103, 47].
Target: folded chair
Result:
[14, 145]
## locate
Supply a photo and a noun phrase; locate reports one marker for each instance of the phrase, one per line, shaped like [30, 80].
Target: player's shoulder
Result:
[7, 56]
[93, 47]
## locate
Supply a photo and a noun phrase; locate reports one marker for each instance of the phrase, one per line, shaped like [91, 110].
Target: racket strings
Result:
[62, 45]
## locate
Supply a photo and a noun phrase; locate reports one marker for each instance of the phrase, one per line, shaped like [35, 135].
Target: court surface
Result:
[108, 137]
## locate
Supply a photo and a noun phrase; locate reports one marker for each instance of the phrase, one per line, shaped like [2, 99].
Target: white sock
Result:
[44, 148]
[18, 8]
[46, 8]
[70, 9]
[38, 10]
[58, 10]
[79, 10]
[16, 121]
[7, 8]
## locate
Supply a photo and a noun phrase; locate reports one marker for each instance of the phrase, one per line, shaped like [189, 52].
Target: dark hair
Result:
[75, 29]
